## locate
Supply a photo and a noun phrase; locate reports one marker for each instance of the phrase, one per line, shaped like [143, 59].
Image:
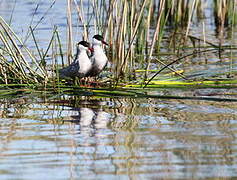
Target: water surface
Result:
[73, 137]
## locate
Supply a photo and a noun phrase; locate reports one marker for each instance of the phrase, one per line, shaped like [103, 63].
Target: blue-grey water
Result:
[59, 136]
[71, 137]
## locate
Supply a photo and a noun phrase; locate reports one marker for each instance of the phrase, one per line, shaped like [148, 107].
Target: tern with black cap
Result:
[81, 65]
[99, 59]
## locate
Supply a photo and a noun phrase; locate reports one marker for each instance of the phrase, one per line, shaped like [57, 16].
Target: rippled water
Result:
[76, 137]
[72, 137]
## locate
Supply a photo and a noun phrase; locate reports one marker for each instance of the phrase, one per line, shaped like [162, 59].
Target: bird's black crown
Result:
[98, 37]
[84, 43]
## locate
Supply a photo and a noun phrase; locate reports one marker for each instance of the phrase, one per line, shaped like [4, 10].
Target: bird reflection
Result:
[89, 119]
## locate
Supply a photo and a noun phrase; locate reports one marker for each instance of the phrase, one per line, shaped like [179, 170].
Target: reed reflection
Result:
[139, 138]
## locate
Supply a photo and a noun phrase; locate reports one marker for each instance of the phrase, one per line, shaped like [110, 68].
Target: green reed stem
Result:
[60, 46]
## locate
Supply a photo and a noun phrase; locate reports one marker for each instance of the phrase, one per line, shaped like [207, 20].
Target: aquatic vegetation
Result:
[137, 33]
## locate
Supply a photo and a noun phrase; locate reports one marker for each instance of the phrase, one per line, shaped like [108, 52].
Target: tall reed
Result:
[69, 32]
[132, 26]
[13, 48]
[135, 26]
[134, 29]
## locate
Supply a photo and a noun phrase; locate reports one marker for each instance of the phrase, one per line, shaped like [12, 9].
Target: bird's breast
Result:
[100, 60]
[84, 64]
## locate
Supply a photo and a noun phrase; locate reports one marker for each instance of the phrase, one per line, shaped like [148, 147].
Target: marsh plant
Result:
[136, 30]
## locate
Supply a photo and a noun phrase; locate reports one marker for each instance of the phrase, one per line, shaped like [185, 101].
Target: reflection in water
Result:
[98, 138]
[89, 119]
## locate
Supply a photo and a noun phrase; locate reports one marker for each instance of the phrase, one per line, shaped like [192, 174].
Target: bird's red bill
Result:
[91, 50]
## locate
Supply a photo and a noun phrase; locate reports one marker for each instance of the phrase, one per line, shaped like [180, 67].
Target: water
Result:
[72, 137]
[58, 136]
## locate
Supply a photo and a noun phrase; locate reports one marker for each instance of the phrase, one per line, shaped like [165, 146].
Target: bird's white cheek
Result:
[96, 42]
[82, 47]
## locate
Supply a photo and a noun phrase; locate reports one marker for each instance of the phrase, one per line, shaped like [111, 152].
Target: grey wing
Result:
[70, 71]
[92, 58]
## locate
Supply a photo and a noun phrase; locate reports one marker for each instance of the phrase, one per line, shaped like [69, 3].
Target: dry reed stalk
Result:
[5, 37]
[221, 22]
[69, 32]
[81, 18]
[11, 52]
[154, 39]
[190, 15]
[3, 71]
[10, 71]
[121, 38]
[96, 16]
[109, 26]
[10, 39]
[148, 26]
[131, 54]
[117, 31]
[138, 14]
[204, 33]
[233, 20]
[157, 30]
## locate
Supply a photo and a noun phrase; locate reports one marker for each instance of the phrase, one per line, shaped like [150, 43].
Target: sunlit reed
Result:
[133, 29]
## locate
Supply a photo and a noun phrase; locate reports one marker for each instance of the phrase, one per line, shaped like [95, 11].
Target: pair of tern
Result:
[84, 66]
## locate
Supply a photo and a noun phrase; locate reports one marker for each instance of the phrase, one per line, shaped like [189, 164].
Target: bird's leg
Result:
[76, 81]
[84, 81]
[95, 82]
